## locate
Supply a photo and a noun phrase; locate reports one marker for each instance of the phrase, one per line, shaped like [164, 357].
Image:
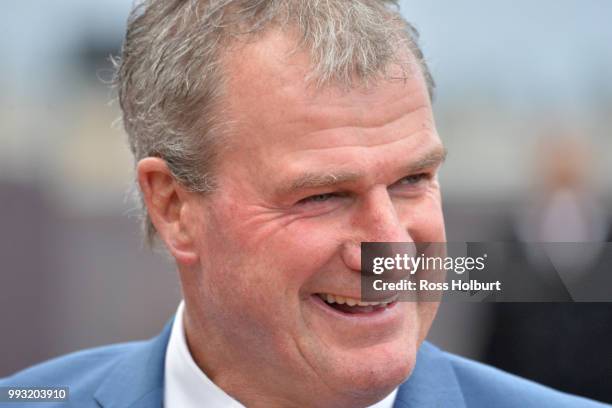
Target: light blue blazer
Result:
[131, 375]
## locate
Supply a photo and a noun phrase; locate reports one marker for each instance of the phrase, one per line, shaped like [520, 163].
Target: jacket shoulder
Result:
[483, 385]
[82, 371]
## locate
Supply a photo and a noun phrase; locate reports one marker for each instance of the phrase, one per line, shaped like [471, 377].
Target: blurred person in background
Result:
[563, 345]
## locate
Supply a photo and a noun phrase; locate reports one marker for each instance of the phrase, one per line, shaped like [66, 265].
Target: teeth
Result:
[341, 300]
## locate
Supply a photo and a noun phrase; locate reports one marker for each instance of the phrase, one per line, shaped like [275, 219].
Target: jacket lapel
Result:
[137, 380]
[433, 382]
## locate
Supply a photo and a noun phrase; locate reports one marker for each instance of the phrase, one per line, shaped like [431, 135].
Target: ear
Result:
[168, 204]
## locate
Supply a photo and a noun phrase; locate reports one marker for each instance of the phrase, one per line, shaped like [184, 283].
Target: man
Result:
[271, 138]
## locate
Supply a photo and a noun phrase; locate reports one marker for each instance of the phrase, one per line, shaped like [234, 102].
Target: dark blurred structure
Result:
[563, 345]
[73, 282]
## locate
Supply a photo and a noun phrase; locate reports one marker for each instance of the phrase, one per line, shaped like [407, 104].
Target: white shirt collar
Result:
[186, 386]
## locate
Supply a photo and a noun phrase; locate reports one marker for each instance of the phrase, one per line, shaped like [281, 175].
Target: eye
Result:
[412, 183]
[318, 198]
[414, 179]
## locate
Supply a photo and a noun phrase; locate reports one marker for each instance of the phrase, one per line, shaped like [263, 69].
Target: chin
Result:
[375, 372]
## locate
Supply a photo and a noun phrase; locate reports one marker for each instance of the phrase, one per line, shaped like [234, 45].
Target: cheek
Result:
[293, 248]
[299, 252]
[262, 257]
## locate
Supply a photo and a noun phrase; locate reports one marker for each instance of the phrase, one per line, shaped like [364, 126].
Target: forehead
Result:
[276, 112]
[267, 81]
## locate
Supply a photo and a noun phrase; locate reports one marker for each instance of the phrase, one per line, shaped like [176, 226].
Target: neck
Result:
[249, 377]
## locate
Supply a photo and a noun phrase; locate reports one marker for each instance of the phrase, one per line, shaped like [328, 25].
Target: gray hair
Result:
[169, 79]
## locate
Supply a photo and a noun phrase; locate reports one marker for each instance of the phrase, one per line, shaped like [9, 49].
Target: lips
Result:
[349, 305]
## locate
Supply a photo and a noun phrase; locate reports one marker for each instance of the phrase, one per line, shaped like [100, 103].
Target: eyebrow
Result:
[317, 180]
[433, 158]
[310, 180]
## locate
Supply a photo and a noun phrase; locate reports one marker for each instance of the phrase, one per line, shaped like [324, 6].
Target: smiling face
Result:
[308, 175]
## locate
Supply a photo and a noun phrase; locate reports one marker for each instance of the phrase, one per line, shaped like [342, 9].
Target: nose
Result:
[375, 220]
[378, 220]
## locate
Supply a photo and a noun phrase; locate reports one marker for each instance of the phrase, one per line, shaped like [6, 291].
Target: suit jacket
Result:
[132, 375]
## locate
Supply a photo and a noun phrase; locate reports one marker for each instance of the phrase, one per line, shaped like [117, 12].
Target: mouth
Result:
[352, 306]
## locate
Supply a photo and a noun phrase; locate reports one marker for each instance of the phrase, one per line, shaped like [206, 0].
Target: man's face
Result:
[308, 176]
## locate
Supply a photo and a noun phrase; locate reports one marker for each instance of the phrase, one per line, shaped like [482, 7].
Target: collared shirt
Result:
[186, 386]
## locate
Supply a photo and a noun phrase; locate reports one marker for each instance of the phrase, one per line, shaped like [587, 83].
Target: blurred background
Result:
[524, 105]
